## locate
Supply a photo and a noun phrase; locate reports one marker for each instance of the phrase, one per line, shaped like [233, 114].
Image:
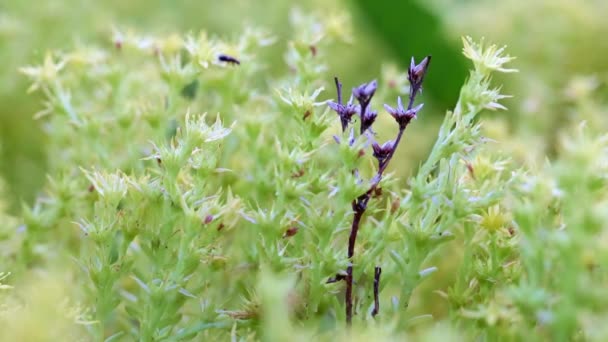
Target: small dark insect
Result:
[291, 231]
[306, 115]
[298, 174]
[377, 192]
[228, 59]
[313, 50]
[336, 278]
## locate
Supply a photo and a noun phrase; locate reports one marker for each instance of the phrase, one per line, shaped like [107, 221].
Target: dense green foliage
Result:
[190, 198]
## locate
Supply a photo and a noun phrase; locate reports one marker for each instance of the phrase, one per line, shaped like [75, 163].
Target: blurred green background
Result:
[554, 40]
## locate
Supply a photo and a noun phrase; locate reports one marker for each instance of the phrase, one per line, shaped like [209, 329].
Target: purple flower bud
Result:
[383, 152]
[351, 137]
[367, 119]
[364, 92]
[416, 73]
[344, 111]
[401, 115]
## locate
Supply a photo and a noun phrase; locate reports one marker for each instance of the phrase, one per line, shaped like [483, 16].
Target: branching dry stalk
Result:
[384, 154]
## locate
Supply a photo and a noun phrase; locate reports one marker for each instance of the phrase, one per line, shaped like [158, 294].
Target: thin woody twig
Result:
[377, 273]
[383, 153]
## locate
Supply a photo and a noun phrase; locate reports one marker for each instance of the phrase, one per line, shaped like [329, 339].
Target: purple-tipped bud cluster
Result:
[416, 73]
[367, 119]
[382, 153]
[344, 111]
[365, 92]
[403, 116]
